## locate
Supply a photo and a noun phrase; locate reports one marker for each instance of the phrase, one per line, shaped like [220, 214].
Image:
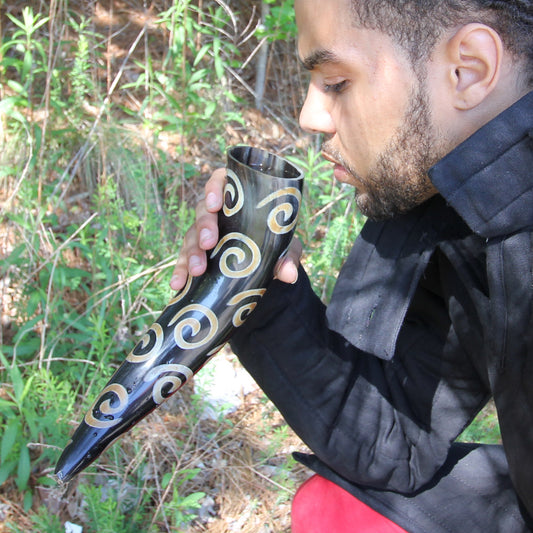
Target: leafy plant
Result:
[279, 24]
[105, 513]
[81, 81]
[189, 93]
[180, 509]
[24, 53]
[18, 420]
[29, 413]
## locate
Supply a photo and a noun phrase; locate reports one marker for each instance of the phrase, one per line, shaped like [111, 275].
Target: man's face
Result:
[373, 110]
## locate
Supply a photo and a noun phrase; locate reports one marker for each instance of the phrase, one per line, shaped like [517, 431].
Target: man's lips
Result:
[339, 171]
[330, 158]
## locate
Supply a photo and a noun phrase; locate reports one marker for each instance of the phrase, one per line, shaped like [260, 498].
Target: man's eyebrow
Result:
[319, 57]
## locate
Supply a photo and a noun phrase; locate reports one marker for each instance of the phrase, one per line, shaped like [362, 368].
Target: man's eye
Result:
[335, 87]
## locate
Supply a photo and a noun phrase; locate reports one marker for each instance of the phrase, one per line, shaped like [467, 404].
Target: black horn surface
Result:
[261, 203]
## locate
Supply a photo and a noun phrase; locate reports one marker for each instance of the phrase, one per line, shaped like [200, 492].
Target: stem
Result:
[261, 67]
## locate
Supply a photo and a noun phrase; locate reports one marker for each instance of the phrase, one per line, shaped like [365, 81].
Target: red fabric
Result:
[320, 506]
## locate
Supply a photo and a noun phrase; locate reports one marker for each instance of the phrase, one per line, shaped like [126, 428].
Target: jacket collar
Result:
[488, 179]
[486, 182]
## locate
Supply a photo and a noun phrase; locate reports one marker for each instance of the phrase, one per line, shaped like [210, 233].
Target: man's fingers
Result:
[206, 227]
[287, 267]
[179, 276]
[208, 208]
[203, 235]
[192, 260]
[214, 190]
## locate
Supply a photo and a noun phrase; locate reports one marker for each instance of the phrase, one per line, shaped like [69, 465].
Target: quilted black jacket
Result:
[431, 316]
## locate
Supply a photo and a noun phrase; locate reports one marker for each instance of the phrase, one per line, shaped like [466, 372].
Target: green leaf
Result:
[219, 67]
[205, 48]
[17, 87]
[26, 388]
[16, 21]
[17, 382]
[31, 417]
[210, 108]
[27, 64]
[6, 469]
[24, 468]
[15, 378]
[192, 501]
[7, 408]
[197, 76]
[42, 21]
[9, 438]
[166, 480]
[46, 481]
[28, 500]
[28, 347]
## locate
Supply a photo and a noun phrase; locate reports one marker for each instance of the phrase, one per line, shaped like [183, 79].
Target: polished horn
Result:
[262, 197]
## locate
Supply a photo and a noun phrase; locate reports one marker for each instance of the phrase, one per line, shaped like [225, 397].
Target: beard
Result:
[398, 181]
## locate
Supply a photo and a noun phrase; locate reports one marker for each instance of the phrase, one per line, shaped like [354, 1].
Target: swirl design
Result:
[239, 254]
[181, 294]
[236, 193]
[242, 313]
[149, 346]
[287, 209]
[194, 325]
[106, 408]
[168, 384]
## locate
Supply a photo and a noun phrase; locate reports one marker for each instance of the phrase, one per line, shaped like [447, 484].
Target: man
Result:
[427, 110]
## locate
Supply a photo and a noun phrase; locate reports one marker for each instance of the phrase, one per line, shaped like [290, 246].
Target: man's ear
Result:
[475, 55]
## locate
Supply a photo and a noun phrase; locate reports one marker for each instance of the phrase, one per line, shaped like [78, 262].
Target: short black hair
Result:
[417, 24]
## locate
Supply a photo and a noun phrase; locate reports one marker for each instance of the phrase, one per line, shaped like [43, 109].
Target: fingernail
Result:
[295, 274]
[205, 236]
[174, 280]
[194, 261]
[211, 200]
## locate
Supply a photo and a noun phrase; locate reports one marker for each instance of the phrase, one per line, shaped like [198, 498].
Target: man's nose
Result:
[315, 116]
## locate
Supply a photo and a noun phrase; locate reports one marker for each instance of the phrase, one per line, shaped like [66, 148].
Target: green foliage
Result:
[88, 276]
[43, 522]
[29, 56]
[279, 24]
[18, 419]
[485, 428]
[114, 508]
[29, 415]
[84, 52]
[190, 92]
[180, 510]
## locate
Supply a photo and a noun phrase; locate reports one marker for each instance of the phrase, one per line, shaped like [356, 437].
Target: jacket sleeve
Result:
[510, 350]
[384, 424]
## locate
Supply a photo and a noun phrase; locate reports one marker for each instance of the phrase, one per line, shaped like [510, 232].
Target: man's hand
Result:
[203, 235]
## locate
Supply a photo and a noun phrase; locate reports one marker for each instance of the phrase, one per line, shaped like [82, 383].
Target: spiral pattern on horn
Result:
[106, 409]
[246, 257]
[236, 193]
[195, 325]
[241, 314]
[149, 346]
[288, 210]
[174, 375]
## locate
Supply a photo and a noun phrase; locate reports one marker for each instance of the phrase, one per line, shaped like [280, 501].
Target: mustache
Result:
[333, 154]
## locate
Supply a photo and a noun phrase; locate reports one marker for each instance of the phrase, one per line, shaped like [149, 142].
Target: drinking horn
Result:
[261, 202]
